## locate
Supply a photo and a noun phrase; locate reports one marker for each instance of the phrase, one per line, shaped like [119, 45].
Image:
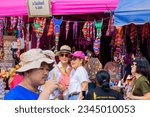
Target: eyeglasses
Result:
[62, 55]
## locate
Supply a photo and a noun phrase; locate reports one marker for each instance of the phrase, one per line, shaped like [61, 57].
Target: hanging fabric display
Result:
[57, 23]
[133, 32]
[39, 25]
[13, 22]
[75, 30]
[119, 39]
[111, 27]
[145, 31]
[67, 29]
[96, 45]
[27, 36]
[19, 29]
[51, 28]
[86, 31]
[1, 31]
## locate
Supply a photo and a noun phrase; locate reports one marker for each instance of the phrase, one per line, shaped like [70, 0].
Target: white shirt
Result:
[77, 79]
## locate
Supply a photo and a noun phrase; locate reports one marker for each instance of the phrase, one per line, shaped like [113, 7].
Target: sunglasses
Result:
[62, 55]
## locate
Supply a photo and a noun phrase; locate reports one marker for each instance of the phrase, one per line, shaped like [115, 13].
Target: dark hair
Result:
[103, 79]
[143, 67]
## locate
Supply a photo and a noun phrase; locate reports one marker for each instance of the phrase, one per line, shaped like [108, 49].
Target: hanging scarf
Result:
[133, 33]
[67, 29]
[57, 23]
[51, 28]
[75, 30]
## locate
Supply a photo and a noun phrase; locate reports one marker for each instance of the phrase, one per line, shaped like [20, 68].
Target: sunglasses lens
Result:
[62, 55]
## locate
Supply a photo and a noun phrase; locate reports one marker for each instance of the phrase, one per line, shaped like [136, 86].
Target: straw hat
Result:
[32, 59]
[65, 48]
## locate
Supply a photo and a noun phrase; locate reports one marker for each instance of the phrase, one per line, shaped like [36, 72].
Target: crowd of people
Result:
[76, 76]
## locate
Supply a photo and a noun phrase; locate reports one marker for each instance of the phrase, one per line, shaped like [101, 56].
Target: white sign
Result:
[39, 8]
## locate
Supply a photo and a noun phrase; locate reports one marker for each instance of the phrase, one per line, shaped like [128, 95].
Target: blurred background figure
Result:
[92, 66]
[141, 70]
[103, 90]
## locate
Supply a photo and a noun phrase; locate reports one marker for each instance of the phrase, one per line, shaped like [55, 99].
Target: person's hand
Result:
[116, 88]
[51, 85]
[130, 95]
[61, 88]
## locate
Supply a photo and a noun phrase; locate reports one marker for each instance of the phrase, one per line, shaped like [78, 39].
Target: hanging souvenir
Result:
[1, 31]
[67, 29]
[51, 28]
[75, 30]
[39, 25]
[13, 22]
[119, 36]
[27, 36]
[57, 23]
[86, 31]
[111, 27]
[98, 26]
[133, 33]
[145, 31]
[96, 46]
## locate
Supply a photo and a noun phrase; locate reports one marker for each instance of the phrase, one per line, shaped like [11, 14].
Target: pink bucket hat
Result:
[78, 54]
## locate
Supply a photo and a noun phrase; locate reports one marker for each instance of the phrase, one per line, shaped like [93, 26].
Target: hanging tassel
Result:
[51, 28]
[96, 46]
[39, 25]
[67, 29]
[1, 31]
[111, 27]
[27, 36]
[57, 24]
[133, 33]
[145, 32]
[75, 30]
[119, 36]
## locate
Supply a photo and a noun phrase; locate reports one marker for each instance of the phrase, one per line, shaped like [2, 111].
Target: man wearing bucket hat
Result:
[62, 72]
[35, 68]
[79, 80]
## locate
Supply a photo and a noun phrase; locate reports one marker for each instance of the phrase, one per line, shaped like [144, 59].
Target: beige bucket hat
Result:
[32, 59]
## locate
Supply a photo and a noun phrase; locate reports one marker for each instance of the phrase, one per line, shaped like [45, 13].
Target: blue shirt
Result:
[21, 93]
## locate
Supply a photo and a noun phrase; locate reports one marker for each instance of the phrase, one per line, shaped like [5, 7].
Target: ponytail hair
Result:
[103, 78]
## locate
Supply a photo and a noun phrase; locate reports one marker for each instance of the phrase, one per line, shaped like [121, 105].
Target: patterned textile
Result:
[93, 66]
[2, 89]
[111, 27]
[133, 33]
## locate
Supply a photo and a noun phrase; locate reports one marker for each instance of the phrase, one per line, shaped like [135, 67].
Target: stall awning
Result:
[59, 7]
[132, 11]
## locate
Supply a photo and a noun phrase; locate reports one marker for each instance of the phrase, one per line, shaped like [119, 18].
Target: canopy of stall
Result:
[59, 7]
[132, 11]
